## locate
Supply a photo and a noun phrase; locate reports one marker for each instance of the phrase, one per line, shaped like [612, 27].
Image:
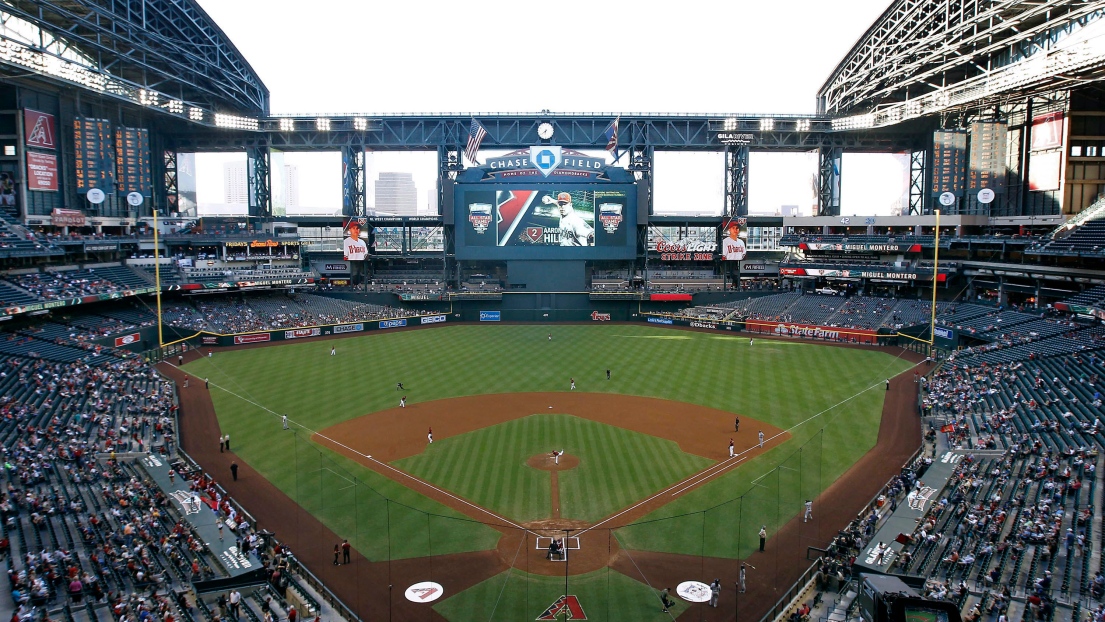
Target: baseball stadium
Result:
[518, 380]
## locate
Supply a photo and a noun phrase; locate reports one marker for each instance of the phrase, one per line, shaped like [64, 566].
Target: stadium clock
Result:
[545, 131]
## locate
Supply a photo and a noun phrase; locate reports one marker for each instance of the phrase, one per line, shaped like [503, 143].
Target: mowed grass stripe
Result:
[615, 468]
[782, 383]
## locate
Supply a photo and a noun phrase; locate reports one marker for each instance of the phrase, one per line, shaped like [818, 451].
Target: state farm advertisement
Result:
[254, 338]
[808, 331]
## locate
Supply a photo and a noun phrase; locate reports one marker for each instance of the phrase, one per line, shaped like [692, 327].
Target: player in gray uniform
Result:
[574, 231]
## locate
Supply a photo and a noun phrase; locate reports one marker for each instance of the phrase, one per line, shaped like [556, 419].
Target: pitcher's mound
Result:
[546, 462]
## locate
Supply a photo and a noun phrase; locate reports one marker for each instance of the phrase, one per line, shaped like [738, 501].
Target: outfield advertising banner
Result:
[209, 339]
[538, 221]
[300, 333]
[945, 338]
[860, 248]
[660, 320]
[433, 319]
[490, 316]
[126, 340]
[808, 331]
[57, 304]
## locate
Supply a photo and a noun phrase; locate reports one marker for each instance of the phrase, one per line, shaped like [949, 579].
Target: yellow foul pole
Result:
[935, 284]
[157, 278]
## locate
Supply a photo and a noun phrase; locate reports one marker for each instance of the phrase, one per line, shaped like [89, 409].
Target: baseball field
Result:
[633, 471]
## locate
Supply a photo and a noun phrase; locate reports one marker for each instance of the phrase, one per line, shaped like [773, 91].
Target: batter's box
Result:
[570, 544]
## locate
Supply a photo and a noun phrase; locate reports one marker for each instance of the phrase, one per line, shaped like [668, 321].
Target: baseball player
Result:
[333, 350]
[732, 247]
[354, 248]
[573, 384]
[430, 436]
[731, 450]
[809, 511]
[741, 581]
[284, 420]
[403, 402]
[574, 231]
[761, 438]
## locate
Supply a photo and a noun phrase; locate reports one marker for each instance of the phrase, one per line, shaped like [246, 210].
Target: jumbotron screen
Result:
[553, 221]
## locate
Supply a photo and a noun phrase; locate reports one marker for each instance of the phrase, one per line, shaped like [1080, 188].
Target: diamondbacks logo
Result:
[479, 214]
[423, 593]
[39, 128]
[610, 215]
[918, 498]
[569, 604]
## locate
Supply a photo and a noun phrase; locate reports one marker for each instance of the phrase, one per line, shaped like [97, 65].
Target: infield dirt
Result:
[375, 589]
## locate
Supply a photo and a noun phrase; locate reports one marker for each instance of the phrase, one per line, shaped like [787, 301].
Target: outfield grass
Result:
[515, 595]
[617, 467]
[781, 382]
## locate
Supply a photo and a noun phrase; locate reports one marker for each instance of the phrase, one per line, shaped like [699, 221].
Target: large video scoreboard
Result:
[546, 221]
[545, 203]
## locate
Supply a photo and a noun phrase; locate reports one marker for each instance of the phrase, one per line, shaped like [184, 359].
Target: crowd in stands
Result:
[62, 285]
[265, 312]
[86, 533]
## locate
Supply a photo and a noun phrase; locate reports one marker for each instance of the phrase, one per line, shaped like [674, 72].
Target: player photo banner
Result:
[354, 247]
[732, 246]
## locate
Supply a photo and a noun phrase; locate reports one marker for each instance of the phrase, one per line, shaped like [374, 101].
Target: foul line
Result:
[368, 457]
[721, 467]
[673, 490]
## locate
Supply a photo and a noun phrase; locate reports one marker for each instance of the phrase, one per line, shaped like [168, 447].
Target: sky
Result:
[611, 57]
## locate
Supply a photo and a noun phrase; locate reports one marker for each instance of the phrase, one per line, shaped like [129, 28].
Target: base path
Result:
[375, 589]
[376, 439]
[397, 433]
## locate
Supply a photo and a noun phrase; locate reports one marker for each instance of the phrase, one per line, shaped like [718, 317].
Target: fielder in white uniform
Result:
[574, 231]
[732, 247]
[354, 248]
[809, 511]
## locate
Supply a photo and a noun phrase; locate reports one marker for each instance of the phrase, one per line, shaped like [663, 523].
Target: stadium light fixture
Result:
[360, 124]
[287, 125]
[195, 114]
[176, 106]
[147, 98]
[767, 124]
[802, 125]
[731, 124]
[322, 124]
[235, 122]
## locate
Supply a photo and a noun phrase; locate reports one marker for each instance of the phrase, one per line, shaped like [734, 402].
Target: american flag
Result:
[611, 135]
[475, 136]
